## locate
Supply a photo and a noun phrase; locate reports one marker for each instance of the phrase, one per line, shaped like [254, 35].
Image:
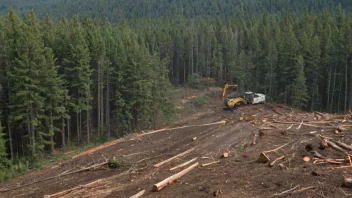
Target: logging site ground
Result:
[263, 150]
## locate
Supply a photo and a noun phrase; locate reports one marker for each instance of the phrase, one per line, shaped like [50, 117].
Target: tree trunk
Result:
[192, 52]
[30, 127]
[270, 79]
[88, 122]
[333, 90]
[346, 87]
[68, 131]
[68, 122]
[99, 111]
[329, 83]
[77, 126]
[184, 70]
[52, 147]
[340, 92]
[107, 112]
[10, 137]
[80, 126]
[63, 133]
[350, 102]
[101, 84]
[197, 56]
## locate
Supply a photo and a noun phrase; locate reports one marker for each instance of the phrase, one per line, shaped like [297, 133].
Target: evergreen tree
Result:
[78, 75]
[27, 101]
[3, 154]
[299, 88]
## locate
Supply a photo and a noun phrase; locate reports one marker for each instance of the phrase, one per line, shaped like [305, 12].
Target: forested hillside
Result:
[115, 10]
[75, 82]
[83, 80]
[300, 61]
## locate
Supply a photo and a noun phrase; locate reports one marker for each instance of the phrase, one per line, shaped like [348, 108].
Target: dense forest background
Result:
[86, 78]
[117, 10]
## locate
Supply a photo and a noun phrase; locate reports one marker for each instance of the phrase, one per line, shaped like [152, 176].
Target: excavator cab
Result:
[249, 96]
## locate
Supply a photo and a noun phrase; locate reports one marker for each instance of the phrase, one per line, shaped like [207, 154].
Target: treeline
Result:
[73, 81]
[300, 61]
[117, 10]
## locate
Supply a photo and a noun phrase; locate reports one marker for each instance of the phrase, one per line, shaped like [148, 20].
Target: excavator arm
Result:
[226, 87]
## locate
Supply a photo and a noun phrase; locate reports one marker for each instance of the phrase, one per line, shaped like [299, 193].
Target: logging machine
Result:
[248, 98]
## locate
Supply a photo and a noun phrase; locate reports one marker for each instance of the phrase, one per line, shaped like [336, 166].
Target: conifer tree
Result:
[78, 75]
[27, 101]
[299, 88]
[3, 153]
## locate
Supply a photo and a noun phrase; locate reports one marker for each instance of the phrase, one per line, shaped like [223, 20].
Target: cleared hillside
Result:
[279, 132]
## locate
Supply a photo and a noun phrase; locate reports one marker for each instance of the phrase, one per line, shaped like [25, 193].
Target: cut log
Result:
[211, 163]
[343, 145]
[170, 159]
[306, 159]
[225, 155]
[277, 159]
[184, 164]
[304, 124]
[278, 148]
[263, 158]
[138, 194]
[283, 167]
[182, 127]
[169, 180]
[318, 155]
[95, 149]
[334, 146]
[347, 182]
[300, 125]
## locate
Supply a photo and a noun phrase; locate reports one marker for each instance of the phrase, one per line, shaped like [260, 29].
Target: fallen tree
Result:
[169, 180]
[172, 158]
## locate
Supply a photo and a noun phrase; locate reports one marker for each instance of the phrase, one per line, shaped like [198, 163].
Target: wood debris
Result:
[211, 163]
[184, 164]
[225, 155]
[171, 179]
[141, 193]
[277, 159]
[306, 159]
[172, 158]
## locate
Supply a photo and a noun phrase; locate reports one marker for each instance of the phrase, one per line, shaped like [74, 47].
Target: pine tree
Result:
[271, 65]
[54, 93]
[3, 154]
[12, 34]
[78, 75]
[27, 101]
[299, 88]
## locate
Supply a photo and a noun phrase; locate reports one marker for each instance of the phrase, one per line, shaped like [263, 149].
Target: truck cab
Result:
[254, 98]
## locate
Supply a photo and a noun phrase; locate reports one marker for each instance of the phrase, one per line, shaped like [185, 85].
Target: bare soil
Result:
[239, 175]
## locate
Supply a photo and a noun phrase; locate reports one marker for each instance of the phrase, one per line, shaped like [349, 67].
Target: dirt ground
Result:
[239, 175]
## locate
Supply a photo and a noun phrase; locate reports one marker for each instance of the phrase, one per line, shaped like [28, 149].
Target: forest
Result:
[84, 79]
[117, 10]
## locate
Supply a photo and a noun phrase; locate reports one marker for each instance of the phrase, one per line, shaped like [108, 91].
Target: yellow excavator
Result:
[249, 98]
